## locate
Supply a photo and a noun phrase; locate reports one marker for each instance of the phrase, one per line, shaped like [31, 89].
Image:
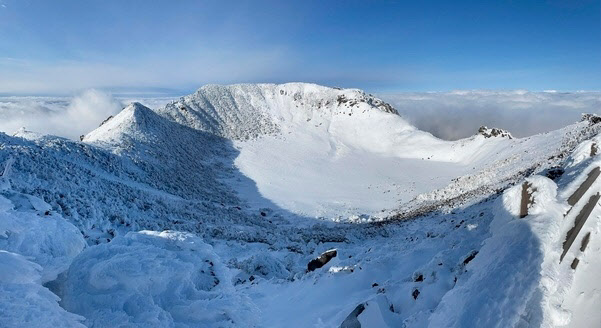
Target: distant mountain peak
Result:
[134, 118]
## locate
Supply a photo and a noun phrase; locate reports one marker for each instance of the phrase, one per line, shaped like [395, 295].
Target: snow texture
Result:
[206, 212]
[150, 279]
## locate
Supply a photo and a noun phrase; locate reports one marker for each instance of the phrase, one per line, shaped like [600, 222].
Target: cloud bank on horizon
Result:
[459, 114]
[447, 115]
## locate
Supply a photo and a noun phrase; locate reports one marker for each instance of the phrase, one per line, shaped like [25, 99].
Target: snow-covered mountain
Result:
[205, 212]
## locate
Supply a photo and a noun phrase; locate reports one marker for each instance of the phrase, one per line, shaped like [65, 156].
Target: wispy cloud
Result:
[199, 66]
[66, 117]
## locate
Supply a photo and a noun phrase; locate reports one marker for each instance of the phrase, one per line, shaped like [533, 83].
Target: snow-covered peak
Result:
[134, 119]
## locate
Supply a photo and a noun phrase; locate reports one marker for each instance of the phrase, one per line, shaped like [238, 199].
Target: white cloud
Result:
[57, 116]
[458, 114]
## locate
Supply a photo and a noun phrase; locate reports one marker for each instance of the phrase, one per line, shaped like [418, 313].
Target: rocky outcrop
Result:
[591, 118]
[494, 132]
[322, 260]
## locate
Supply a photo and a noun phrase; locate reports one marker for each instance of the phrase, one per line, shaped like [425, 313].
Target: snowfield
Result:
[207, 212]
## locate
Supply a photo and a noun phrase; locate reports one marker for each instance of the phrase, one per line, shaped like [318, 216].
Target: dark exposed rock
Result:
[470, 257]
[494, 132]
[352, 321]
[106, 120]
[418, 277]
[372, 101]
[415, 293]
[554, 173]
[591, 118]
[322, 260]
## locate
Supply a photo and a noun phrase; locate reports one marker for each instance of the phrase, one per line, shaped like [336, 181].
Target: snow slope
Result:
[325, 152]
[203, 213]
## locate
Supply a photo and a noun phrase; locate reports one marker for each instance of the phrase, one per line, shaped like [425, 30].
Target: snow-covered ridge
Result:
[244, 111]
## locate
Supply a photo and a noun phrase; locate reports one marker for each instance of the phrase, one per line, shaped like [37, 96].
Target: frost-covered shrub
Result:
[264, 265]
[152, 279]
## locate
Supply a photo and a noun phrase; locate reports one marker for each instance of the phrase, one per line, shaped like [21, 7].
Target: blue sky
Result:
[61, 47]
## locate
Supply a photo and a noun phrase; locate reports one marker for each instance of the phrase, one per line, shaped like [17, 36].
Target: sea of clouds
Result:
[459, 114]
[448, 115]
[68, 117]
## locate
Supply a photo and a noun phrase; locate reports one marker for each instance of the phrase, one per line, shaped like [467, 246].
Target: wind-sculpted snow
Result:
[36, 246]
[24, 302]
[42, 236]
[148, 279]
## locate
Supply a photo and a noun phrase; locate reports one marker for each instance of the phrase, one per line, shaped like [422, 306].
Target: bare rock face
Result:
[322, 260]
[494, 132]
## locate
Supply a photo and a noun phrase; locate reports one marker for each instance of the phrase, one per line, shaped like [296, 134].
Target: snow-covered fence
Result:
[578, 224]
[527, 198]
[583, 245]
[592, 176]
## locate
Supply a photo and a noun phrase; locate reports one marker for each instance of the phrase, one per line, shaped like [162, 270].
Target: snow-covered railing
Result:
[583, 245]
[527, 199]
[592, 176]
[585, 212]
[579, 223]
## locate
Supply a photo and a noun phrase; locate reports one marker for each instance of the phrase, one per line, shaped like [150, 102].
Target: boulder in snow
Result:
[322, 260]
